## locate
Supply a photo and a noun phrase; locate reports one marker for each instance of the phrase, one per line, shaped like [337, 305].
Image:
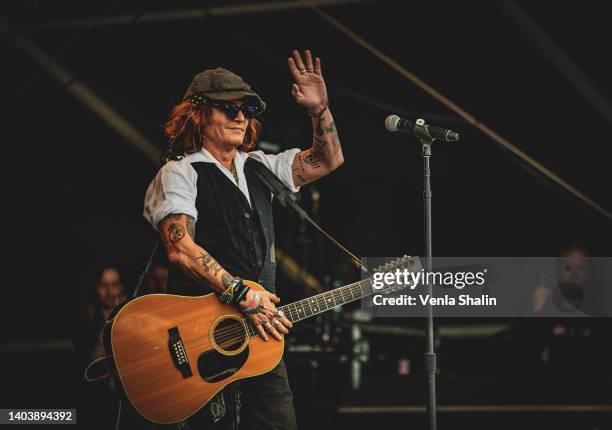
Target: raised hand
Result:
[309, 88]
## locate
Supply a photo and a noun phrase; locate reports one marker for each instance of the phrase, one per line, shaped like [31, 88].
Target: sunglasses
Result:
[231, 110]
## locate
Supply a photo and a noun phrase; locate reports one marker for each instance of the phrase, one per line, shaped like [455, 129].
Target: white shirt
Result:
[174, 189]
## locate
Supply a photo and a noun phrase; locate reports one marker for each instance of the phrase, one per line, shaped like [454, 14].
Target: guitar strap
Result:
[288, 199]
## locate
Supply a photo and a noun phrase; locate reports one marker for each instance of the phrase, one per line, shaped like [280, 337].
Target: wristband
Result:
[240, 296]
[230, 292]
[228, 295]
[238, 288]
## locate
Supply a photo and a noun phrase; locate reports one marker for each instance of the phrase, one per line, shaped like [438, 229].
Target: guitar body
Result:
[172, 354]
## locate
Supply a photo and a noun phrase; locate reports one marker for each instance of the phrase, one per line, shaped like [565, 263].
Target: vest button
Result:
[247, 215]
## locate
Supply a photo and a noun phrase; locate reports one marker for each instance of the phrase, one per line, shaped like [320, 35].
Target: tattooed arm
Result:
[323, 157]
[177, 232]
[309, 90]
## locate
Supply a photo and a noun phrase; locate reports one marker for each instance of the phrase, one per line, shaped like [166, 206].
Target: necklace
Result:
[234, 172]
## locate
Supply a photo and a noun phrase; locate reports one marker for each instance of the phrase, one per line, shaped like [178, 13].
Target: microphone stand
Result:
[426, 140]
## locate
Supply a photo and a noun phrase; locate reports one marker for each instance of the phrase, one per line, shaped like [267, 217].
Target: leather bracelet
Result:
[240, 296]
[239, 288]
[231, 292]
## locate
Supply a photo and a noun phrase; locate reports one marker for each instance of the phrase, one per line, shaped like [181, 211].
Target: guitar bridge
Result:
[178, 353]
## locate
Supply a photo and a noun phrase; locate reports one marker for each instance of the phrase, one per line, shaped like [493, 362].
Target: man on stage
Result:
[214, 214]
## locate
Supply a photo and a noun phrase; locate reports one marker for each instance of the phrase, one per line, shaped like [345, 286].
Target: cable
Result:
[118, 415]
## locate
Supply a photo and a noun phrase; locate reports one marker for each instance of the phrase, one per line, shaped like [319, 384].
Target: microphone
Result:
[395, 123]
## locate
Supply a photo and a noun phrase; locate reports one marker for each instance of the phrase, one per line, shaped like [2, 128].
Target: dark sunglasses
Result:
[231, 110]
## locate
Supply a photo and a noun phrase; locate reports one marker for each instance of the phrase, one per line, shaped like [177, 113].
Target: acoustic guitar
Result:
[171, 354]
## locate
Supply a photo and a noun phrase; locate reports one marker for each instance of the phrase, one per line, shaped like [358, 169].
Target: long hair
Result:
[186, 125]
[90, 301]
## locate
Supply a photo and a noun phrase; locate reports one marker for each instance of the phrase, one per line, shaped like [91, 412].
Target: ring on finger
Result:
[275, 322]
[279, 313]
[302, 71]
[267, 324]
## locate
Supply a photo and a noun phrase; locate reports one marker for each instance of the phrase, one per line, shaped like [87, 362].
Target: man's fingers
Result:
[279, 314]
[309, 65]
[269, 313]
[318, 66]
[295, 90]
[273, 331]
[298, 60]
[293, 69]
[286, 322]
[274, 297]
[278, 325]
[261, 331]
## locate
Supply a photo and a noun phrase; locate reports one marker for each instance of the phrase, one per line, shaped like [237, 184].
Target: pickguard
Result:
[214, 366]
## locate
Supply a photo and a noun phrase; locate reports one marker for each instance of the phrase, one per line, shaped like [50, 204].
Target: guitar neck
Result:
[320, 303]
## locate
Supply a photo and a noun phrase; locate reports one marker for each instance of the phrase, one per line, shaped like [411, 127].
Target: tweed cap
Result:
[221, 84]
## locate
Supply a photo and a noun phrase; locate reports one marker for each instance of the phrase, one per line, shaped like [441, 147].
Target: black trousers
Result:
[261, 402]
[267, 401]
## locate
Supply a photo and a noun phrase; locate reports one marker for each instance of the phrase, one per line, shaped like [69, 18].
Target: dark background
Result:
[74, 189]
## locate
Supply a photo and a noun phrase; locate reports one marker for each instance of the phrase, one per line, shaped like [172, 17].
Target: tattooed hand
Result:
[266, 320]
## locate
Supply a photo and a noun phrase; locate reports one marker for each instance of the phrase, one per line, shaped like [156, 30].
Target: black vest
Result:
[239, 237]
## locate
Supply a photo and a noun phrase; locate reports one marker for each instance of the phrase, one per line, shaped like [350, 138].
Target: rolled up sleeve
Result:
[173, 191]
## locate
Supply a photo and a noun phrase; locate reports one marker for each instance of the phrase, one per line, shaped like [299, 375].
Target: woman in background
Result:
[100, 296]
[102, 292]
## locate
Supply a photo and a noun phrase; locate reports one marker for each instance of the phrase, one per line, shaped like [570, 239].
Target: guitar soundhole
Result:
[230, 335]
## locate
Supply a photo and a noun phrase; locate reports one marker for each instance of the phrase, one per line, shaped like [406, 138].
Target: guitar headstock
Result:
[410, 264]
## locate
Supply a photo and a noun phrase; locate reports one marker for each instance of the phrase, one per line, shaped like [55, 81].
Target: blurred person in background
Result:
[567, 292]
[102, 292]
[557, 337]
[100, 296]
